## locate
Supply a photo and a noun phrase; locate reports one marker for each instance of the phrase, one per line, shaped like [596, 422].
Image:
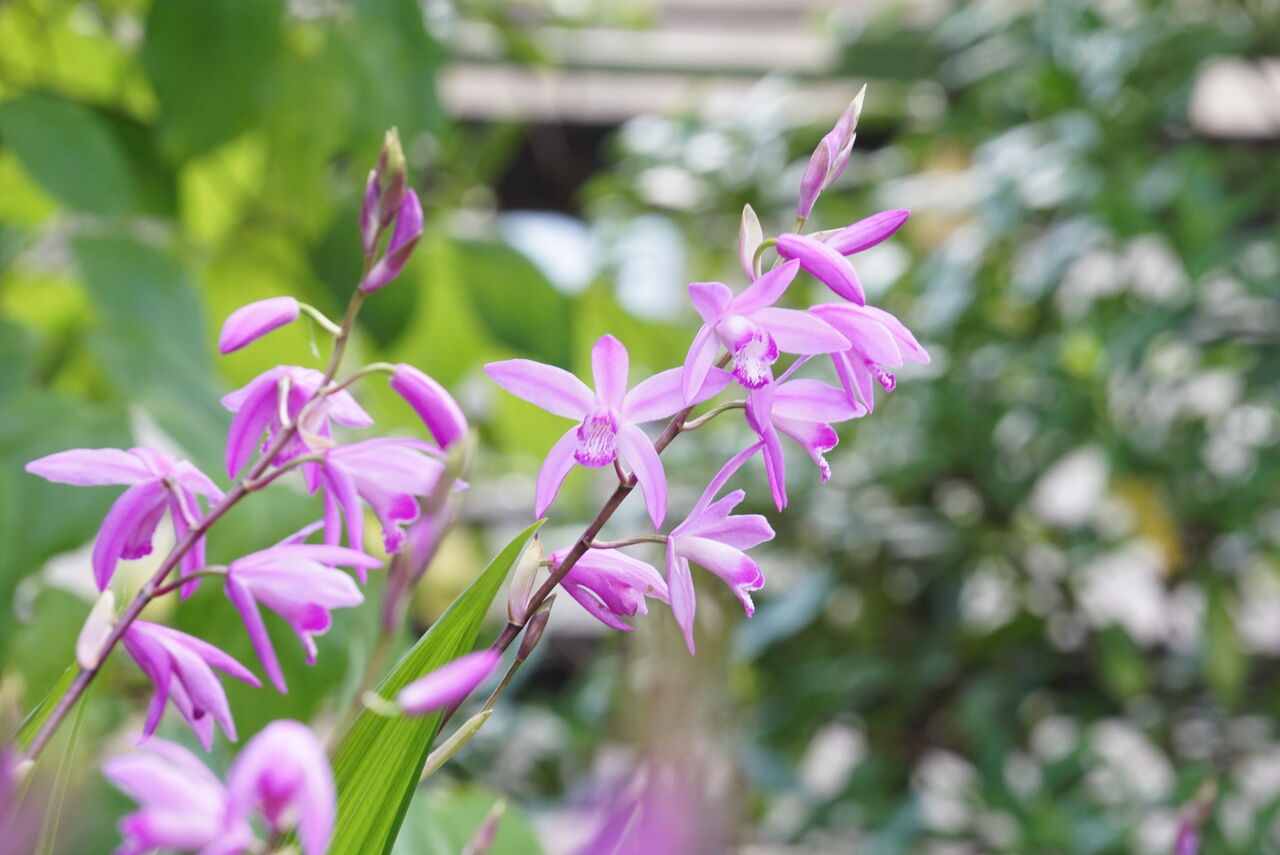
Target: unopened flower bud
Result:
[97, 627]
[482, 841]
[251, 322]
[392, 175]
[522, 582]
[750, 236]
[829, 157]
[434, 405]
[405, 237]
[534, 628]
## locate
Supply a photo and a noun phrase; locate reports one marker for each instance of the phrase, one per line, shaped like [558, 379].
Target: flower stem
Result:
[628, 541]
[149, 590]
[175, 585]
[764, 244]
[320, 318]
[694, 424]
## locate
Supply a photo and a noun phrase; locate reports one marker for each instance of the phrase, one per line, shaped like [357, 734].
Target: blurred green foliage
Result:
[1035, 607]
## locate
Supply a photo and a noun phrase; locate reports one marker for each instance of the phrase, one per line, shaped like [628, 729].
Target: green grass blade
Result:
[378, 762]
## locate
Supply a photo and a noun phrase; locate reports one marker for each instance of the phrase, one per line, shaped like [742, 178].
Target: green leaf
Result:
[70, 151]
[516, 302]
[40, 714]
[152, 340]
[379, 760]
[211, 63]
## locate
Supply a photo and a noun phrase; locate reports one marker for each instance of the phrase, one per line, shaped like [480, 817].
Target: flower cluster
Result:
[742, 339]
[283, 420]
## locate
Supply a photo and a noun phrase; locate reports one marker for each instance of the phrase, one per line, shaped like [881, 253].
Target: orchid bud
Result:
[249, 323]
[449, 684]
[97, 627]
[435, 406]
[750, 236]
[405, 237]
[460, 737]
[482, 841]
[522, 582]
[534, 628]
[830, 157]
[392, 173]
[827, 266]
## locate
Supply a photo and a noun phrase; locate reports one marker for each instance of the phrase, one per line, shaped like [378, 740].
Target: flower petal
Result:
[553, 389]
[908, 346]
[559, 461]
[643, 459]
[750, 236]
[710, 299]
[814, 401]
[127, 528]
[766, 290]
[253, 624]
[866, 233]
[735, 567]
[255, 410]
[610, 367]
[660, 396]
[828, 266]
[795, 331]
[698, 362]
[90, 467]
[680, 585]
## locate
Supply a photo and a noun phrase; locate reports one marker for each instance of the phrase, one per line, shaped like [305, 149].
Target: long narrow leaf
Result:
[379, 761]
[40, 713]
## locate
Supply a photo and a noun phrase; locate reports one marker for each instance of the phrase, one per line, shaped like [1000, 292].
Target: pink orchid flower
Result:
[711, 537]
[753, 329]
[257, 411]
[298, 582]
[611, 584]
[878, 342]
[157, 482]
[802, 410]
[390, 474]
[433, 404]
[181, 667]
[182, 806]
[609, 417]
[283, 774]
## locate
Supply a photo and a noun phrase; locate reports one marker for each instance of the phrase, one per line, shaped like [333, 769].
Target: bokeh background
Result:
[1038, 604]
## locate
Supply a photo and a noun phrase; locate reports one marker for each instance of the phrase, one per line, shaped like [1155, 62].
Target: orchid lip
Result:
[884, 376]
[597, 438]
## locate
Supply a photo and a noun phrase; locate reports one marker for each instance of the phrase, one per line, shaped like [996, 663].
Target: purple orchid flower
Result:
[404, 238]
[298, 582]
[449, 684]
[611, 584]
[802, 410]
[878, 342]
[714, 539]
[157, 482]
[865, 233]
[433, 404]
[609, 416]
[284, 775]
[753, 330]
[390, 474]
[181, 666]
[250, 323]
[257, 411]
[182, 805]
[829, 159]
